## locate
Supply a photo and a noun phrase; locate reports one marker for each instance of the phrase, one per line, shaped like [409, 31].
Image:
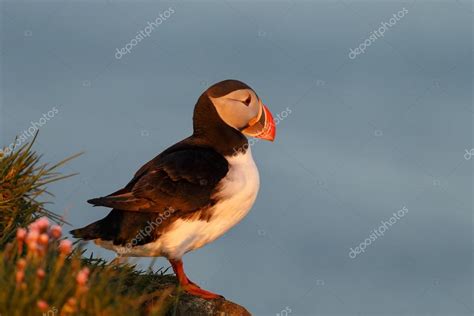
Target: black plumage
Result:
[183, 180]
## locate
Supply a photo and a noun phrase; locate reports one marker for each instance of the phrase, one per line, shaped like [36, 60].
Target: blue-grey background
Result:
[365, 137]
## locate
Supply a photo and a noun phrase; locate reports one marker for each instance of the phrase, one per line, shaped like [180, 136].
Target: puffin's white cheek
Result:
[234, 113]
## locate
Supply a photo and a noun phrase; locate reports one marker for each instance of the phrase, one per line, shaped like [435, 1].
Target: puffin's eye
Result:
[247, 101]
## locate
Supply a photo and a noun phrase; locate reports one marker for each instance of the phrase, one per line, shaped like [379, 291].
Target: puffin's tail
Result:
[91, 231]
[105, 229]
[119, 227]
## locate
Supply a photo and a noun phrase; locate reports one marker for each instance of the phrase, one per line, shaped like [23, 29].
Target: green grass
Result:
[39, 275]
[23, 180]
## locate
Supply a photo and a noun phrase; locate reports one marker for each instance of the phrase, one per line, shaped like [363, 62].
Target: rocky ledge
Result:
[182, 304]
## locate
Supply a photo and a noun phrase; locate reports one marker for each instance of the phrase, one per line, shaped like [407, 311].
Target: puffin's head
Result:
[239, 107]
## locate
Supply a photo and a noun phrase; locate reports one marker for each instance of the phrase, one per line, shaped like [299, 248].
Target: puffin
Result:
[194, 191]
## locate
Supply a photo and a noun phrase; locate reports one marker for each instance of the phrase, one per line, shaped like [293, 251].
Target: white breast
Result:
[236, 194]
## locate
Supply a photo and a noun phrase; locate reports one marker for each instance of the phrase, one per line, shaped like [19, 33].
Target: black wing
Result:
[182, 180]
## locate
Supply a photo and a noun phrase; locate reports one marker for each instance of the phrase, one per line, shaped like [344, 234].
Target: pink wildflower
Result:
[21, 234]
[20, 237]
[43, 224]
[34, 227]
[65, 247]
[32, 239]
[21, 264]
[55, 231]
[42, 305]
[82, 277]
[40, 274]
[43, 239]
[32, 236]
[19, 276]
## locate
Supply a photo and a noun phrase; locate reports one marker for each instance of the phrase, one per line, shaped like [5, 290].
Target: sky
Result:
[375, 118]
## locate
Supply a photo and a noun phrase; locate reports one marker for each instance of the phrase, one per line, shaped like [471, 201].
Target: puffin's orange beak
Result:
[262, 126]
[269, 128]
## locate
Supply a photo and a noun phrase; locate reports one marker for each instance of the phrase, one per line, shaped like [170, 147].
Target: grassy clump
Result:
[22, 181]
[40, 272]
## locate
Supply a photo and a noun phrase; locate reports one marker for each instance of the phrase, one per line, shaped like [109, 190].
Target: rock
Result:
[191, 305]
[183, 304]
